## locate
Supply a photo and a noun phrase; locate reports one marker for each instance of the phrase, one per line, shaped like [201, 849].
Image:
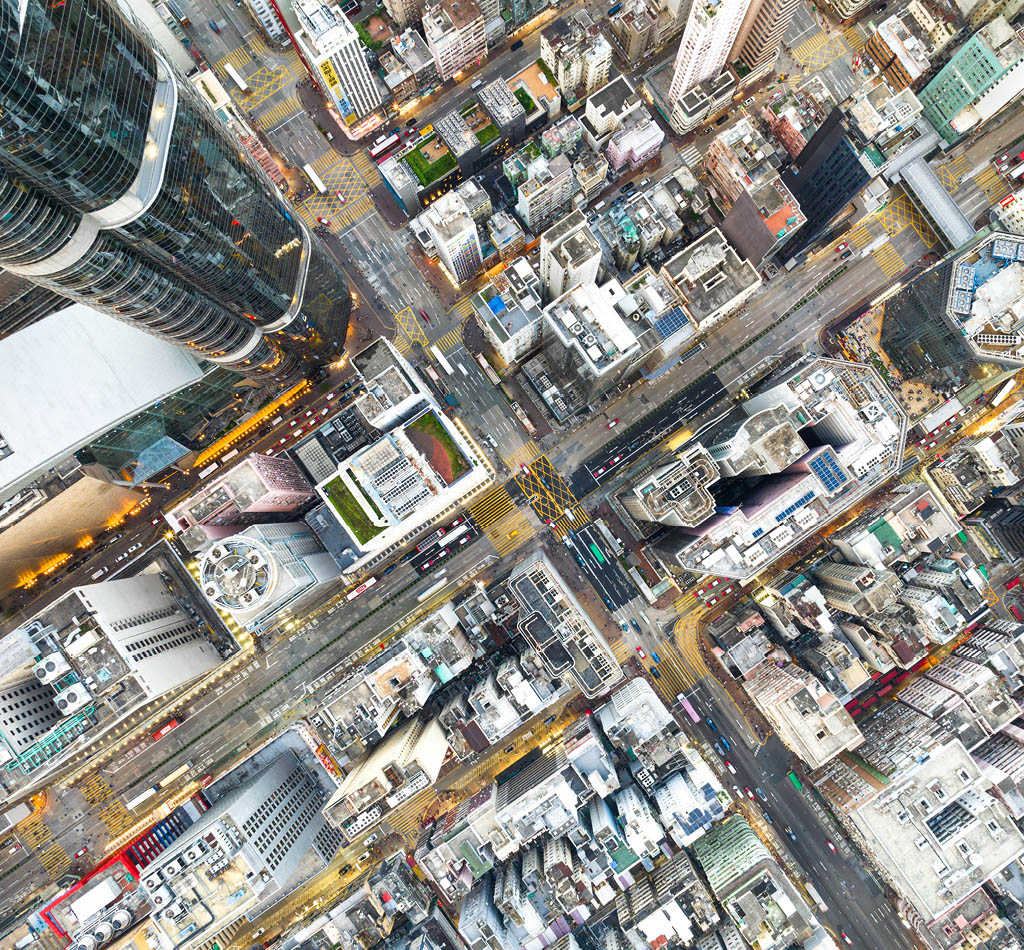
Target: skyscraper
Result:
[711, 27]
[760, 37]
[120, 189]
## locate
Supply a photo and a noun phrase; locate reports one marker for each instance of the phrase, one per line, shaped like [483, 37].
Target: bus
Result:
[237, 77]
[315, 179]
[133, 803]
[1012, 584]
[1017, 615]
[209, 470]
[596, 551]
[524, 419]
[688, 708]
[362, 588]
[1016, 171]
[230, 455]
[816, 897]
[477, 84]
[612, 10]
[179, 14]
[693, 351]
[795, 780]
[172, 777]
[1004, 391]
[166, 728]
[492, 376]
[383, 145]
[439, 358]
[442, 581]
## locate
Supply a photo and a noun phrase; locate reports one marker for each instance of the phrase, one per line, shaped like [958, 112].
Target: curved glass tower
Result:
[121, 190]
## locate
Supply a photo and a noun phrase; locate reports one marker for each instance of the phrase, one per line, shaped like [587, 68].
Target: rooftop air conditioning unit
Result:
[51, 667]
[72, 699]
[152, 881]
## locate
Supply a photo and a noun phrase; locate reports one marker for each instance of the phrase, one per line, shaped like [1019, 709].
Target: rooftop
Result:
[587, 321]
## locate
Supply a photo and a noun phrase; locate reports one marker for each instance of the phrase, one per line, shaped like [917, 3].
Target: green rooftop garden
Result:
[350, 511]
[543, 67]
[525, 100]
[443, 449]
[487, 133]
[425, 170]
[363, 30]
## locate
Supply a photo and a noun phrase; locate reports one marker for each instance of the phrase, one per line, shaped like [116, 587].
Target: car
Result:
[730, 766]
[768, 818]
[791, 833]
[712, 602]
[831, 846]
[309, 412]
[601, 470]
[423, 313]
[726, 742]
[363, 857]
[613, 423]
[341, 196]
[655, 673]
[330, 396]
[14, 848]
[411, 123]
[736, 791]
[711, 723]
[748, 100]
[371, 839]
[524, 470]
[655, 657]
[640, 650]
[214, 27]
[842, 933]
[135, 547]
[259, 933]
[842, 247]
[121, 557]
[464, 540]
[719, 750]
[293, 422]
[616, 460]
[324, 411]
[749, 793]
[509, 749]
[324, 221]
[345, 869]
[761, 794]
[846, 254]
[518, 44]
[282, 441]
[624, 625]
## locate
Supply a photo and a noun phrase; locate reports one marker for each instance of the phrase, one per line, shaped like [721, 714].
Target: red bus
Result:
[1013, 583]
[384, 146]
[687, 708]
[1018, 616]
[165, 728]
[889, 677]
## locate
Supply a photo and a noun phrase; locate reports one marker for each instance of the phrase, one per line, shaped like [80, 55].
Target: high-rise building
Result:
[1001, 520]
[760, 36]
[265, 14]
[708, 35]
[978, 67]
[330, 42]
[546, 190]
[569, 255]
[453, 232]
[125, 192]
[456, 33]
[404, 12]
[577, 54]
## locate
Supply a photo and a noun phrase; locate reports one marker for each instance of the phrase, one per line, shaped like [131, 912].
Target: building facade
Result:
[456, 33]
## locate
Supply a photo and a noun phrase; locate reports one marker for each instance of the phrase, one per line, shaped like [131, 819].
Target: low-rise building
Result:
[607, 109]
[637, 140]
[506, 235]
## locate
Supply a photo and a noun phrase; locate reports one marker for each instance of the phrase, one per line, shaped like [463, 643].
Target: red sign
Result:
[1008, 200]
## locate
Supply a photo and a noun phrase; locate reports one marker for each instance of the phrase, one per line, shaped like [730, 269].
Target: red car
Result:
[842, 247]
[326, 221]
[80, 852]
[613, 423]
[423, 313]
[643, 656]
[831, 846]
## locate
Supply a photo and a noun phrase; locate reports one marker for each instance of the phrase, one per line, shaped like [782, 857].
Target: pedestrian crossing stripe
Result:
[368, 170]
[691, 156]
[492, 507]
[522, 456]
[239, 59]
[402, 344]
[279, 113]
[498, 517]
[464, 307]
[888, 261]
[858, 237]
[451, 339]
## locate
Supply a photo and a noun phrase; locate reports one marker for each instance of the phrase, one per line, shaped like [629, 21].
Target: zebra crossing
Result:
[463, 307]
[858, 237]
[112, 812]
[498, 517]
[450, 340]
[888, 261]
[410, 814]
[691, 156]
[238, 58]
[523, 456]
[992, 184]
[39, 839]
[222, 938]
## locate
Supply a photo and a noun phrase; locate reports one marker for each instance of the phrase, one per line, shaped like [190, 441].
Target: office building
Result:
[456, 33]
[555, 624]
[760, 36]
[539, 796]
[675, 491]
[901, 49]
[1001, 521]
[421, 468]
[569, 255]
[453, 234]
[96, 655]
[238, 280]
[979, 12]
[709, 32]
[332, 45]
[978, 465]
[258, 488]
[509, 311]
[406, 762]
[980, 77]
[776, 486]
[263, 839]
[577, 54]
[262, 572]
[688, 801]
[985, 300]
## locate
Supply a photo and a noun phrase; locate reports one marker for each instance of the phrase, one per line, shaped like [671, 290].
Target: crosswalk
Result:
[675, 670]
[992, 184]
[464, 308]
[38, 837]
[406, 819]
[498, 517]
[450, 340]
[111, 811]
[888, 261]
[691, 156]
[858, 237]
[522, 456]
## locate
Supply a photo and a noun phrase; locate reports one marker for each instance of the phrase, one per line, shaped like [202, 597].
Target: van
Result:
[645, 182]
[599, 206]
[518, 44]
[477, 84]
[100, 573]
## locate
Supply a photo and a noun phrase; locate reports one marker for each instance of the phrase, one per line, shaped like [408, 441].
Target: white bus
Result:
[315, 179]
[133, 803]
[171, 777]
[209, 470]
[441, 361]
[237, 77]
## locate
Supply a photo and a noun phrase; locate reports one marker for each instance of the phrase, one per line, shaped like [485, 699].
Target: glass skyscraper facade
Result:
[121, 190]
